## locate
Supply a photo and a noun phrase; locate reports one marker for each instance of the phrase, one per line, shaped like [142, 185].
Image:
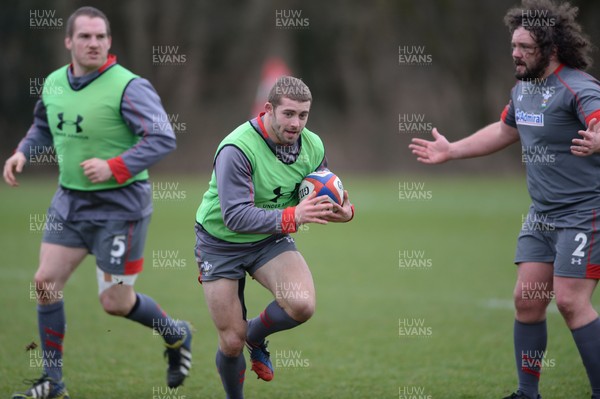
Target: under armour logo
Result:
[115, 260]
[279, 194]
[576, 261]
[67, 122]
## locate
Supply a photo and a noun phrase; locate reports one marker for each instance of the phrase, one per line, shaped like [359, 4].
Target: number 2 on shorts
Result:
[578, 251]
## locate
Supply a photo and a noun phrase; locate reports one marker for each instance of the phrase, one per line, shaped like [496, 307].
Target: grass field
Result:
[441, 262]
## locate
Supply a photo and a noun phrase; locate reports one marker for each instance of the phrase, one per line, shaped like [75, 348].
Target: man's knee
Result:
[567, 306]
[47, 290]
[117, 300]
[301, 310]
[232, 342]
[531, 306]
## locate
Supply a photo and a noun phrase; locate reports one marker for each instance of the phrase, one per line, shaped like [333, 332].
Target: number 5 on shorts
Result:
[118, 248]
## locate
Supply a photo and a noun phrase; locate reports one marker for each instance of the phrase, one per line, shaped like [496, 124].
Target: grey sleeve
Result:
[143, 112]
[586, 102]
[38, 138]
[236, 195]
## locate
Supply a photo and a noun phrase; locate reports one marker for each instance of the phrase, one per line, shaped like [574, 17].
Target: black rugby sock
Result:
[147, 312]
[232, 371]
[271, 320]
[530, 345]
[587, 339]
[52, 326]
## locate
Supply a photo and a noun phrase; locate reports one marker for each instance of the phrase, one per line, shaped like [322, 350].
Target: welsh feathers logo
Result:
[206, 267]
[547, 93]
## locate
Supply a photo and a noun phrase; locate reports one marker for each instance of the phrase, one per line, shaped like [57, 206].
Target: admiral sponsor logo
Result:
[529, 118]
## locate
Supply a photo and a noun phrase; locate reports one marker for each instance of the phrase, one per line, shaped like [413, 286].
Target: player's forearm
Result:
[145, 116]
[236, 198]
[248, 219]
[492, 138]
[144, 154]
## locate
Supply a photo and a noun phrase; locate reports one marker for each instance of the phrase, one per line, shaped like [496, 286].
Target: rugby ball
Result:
[324, 183]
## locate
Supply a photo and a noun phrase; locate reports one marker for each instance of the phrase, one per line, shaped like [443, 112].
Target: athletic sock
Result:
[52, 326]
[147, 312]
[271, 320]
[530, 346]
[587, 339]
[232, 371]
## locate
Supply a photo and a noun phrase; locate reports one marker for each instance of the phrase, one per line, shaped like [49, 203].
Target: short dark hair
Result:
[553, 26]
[289, 87]
[88, 11]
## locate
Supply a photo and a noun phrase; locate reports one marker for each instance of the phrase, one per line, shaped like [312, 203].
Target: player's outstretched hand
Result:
[13, 164]
[313, 209]
[590, 143]
[97, 170]
[341, 213]
[431, 152]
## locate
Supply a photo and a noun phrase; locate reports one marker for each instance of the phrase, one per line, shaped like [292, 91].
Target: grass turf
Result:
[460, 231]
